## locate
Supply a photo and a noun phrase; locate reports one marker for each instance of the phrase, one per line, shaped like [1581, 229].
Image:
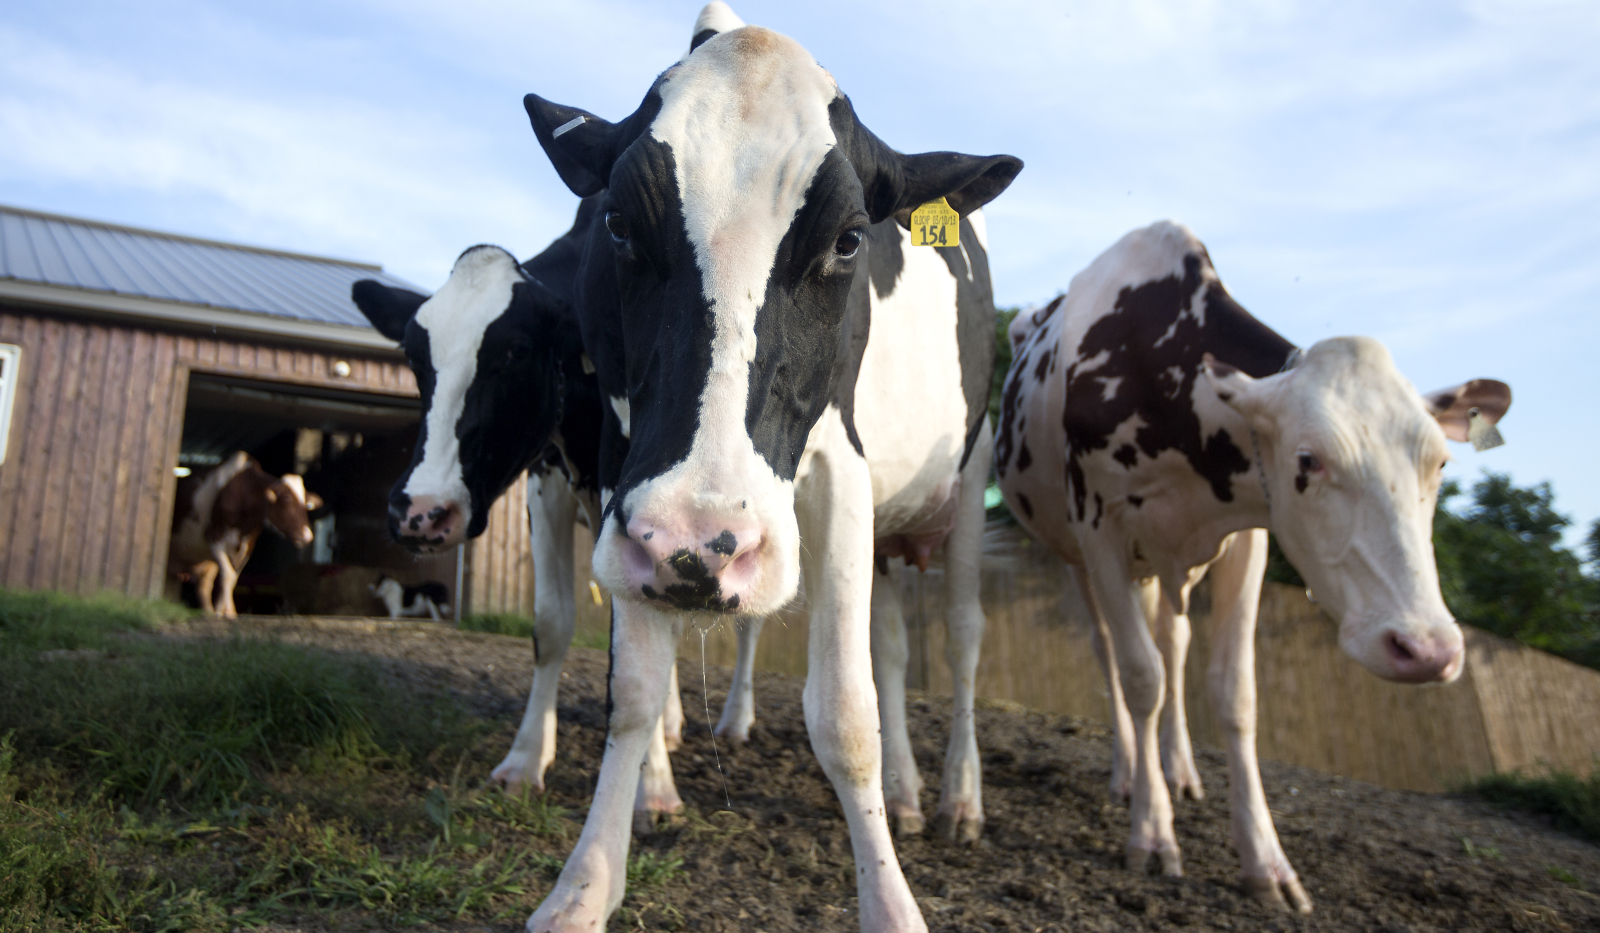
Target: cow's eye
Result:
[1309, 462]
[616, 226]
[847, 244]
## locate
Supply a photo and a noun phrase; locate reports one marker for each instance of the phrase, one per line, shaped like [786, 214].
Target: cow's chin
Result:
[1405, 650]
[758, 582]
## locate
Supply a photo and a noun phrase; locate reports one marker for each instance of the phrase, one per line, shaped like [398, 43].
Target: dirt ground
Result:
[1049, 859]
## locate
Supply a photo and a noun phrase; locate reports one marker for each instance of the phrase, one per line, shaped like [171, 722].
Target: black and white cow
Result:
[1152, 430]
[505, 388]
[730, 328]
[483, 378]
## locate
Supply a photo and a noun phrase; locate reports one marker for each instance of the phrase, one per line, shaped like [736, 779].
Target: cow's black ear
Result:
[387, 307]
[893, 182]
[583, 147]
[967, 182]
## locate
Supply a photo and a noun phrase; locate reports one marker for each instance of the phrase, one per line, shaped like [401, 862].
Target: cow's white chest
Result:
[910, 412]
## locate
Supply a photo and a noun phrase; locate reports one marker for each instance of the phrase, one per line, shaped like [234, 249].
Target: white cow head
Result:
[735, 202]
[1352, 455]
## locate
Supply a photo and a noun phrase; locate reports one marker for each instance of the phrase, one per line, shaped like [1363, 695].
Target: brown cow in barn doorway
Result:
[219, 516]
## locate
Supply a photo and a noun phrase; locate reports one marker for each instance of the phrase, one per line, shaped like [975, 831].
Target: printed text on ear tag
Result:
[935, 223]
[1482, 434]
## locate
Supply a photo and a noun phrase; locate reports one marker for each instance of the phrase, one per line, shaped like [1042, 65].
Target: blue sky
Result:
[1425, 173]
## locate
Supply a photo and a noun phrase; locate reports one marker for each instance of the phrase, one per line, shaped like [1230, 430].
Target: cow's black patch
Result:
[1136, 501]
[1024, 456]
[700, 38]
[1099, 510]
[1027, 507]
[1300, 482]
[1153, 330]
[1126, 456]
[886, 261]
[723, 544]
[699, 591]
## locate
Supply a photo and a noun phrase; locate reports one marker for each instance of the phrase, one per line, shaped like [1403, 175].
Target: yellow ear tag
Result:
[935, 223]
[594, 593]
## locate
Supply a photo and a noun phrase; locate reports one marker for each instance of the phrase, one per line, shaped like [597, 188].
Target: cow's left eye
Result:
[847, 244]
[616, 226]
[1309, 462]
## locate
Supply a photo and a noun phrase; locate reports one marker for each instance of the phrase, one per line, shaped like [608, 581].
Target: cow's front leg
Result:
[229, 579]
[552, 511]
[739, 710]
[672, 717]
[902, 784]
[960, 814]
[1236, 598]
[205, 577]
[1177, 755]
[658, 794]
[591, 885]
[1138, 664]
[834, 505]
[1122, 753]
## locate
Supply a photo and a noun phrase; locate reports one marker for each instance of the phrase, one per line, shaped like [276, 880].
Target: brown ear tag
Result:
[935, 223]
[1482, 434]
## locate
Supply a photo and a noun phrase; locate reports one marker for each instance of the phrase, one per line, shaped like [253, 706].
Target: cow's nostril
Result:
[1399, 648]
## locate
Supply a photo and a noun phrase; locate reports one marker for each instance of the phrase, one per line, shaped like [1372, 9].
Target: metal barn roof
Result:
[106, 268]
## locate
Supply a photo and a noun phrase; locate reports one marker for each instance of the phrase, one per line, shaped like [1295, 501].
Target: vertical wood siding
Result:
[500, 561]
[86, 490]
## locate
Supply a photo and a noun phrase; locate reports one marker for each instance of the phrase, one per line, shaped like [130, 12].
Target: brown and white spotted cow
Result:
[1152, 430]
[219, 516]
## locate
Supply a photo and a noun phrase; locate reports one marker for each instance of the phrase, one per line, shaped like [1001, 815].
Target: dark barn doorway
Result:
[350, 447]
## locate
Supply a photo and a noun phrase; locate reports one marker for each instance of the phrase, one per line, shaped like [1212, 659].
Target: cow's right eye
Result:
[847, 244]
[616, 226]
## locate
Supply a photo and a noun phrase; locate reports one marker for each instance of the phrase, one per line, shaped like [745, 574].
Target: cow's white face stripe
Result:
[624, 415]
[746, 118]
[456, 317]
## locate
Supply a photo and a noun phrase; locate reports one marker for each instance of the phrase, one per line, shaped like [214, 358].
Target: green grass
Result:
[499, 623]
[1572, 802]
[44, 621]
[157, 784]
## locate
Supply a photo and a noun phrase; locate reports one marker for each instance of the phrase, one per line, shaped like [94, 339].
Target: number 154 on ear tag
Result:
[936, 223]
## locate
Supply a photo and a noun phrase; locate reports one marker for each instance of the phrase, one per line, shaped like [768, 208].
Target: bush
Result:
[1572, 802]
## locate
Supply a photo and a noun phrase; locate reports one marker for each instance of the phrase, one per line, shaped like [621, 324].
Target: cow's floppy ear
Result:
[1453, 406]
[715, 18]
[387, 307]
[581, 146]
[893, 182]
[1238, 389]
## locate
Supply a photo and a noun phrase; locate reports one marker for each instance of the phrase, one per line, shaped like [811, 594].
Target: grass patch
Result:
[158, 784]
[1572, 802]
[498, 623]
[48, 621]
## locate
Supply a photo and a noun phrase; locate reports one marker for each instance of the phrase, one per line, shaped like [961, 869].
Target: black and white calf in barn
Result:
[220, 515]
[763, 410]
[1151, 431]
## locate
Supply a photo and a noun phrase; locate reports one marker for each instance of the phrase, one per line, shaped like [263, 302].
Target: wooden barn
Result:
[130, 357]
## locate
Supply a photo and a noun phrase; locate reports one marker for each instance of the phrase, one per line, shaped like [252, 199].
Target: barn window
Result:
[9, 355]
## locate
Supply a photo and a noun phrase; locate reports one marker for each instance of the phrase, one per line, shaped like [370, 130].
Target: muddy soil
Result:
[1049, 858]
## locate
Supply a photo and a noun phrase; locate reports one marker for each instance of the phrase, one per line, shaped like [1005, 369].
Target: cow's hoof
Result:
[905, 823]
[649, 822]
[517, 776]
[1286, 895]
[1139, 860]
[736, 732]
[960, 829]
[560, 914]
[1191, 789]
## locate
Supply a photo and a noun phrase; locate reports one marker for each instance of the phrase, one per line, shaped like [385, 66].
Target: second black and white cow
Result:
[1152, 430]
[777, 386]
[505, 388]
